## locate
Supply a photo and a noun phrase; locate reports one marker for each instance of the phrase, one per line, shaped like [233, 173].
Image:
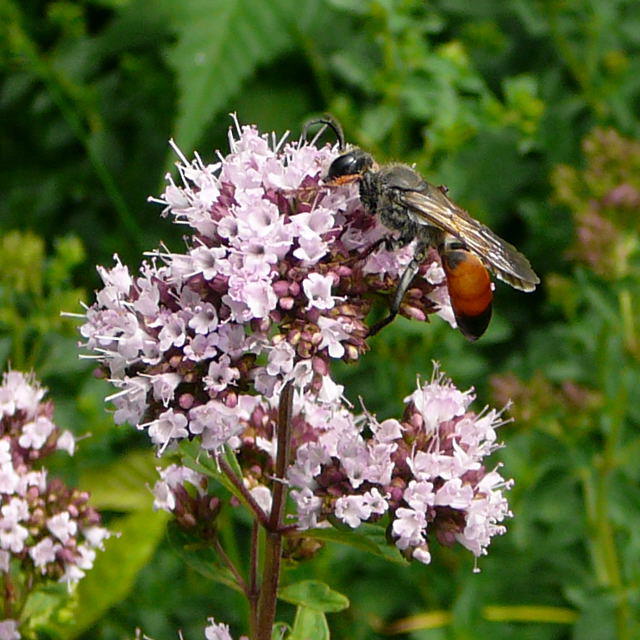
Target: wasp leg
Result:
[409, 274]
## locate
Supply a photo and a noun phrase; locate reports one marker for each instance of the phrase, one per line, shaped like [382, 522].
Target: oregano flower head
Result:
[47, 530]
[275, 282]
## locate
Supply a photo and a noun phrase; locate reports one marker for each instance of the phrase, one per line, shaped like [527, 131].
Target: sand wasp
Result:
[418, 210]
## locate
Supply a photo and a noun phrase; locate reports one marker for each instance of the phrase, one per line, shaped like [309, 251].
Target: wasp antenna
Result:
[328, 121]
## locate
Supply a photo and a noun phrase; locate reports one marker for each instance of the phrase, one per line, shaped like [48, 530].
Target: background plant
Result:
[487, 98]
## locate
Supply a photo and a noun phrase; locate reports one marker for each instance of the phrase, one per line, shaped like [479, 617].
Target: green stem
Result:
[72, 114]
[269, 588]
[605, 532]
[597, 492]
[628, 320]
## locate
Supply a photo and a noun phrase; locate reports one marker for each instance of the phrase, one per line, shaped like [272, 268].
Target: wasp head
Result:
[354, 163]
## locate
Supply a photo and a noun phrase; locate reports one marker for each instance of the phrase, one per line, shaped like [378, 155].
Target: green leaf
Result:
[309, 625]
[597, 619]
[198, 459]
[314, 595]
[46, 605]
[231, 459]
[368, 537]
[123, 485]
[200, 557]
[195, 457]
[220, 43]
[115, 569]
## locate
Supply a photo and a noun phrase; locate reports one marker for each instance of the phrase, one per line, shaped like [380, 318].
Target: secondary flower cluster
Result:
[275, 281]
[47, 530]
[426, 471]
[604, 198]
[183, 492]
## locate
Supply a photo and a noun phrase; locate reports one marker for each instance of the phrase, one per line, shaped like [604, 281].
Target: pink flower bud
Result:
[281, 288]
[294, 289]
[186, 401]
[320, 366]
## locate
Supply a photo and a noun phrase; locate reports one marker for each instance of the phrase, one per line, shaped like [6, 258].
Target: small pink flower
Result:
[62, 526]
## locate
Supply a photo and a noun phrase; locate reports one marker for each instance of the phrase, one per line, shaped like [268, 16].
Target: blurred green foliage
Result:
[527, 110]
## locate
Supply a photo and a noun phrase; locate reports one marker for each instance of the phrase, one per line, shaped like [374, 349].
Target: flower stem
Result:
[238, 484]
[254, 590]
[282, 457]
[273, 543]
[9, 596]
[229, 564]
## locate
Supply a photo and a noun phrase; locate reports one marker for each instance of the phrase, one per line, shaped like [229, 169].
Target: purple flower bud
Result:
[187, 520]
[287, 303]
[414, 313]
[214, 506]
[231, 400]
[66, 555]
[186, 401]
[281, 288]
[320, 366]
[294, 289]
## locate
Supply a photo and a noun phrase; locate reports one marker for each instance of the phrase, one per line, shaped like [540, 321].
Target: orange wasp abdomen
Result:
[470, 290]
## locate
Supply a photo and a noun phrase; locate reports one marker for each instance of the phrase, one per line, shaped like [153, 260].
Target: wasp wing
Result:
[430, 206]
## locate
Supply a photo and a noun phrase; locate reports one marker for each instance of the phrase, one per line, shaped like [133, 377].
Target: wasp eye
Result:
[348, 164]
[344, 165]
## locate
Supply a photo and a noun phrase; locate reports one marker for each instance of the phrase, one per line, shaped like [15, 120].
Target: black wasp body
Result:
[417, 210]
[381, 194]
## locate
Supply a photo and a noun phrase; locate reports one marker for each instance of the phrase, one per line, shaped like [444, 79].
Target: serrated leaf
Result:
[124, 484]
[219, 44]
[315, 595]
[309, 625]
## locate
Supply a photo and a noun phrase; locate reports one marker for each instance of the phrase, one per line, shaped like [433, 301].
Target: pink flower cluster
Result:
[426, 472]
[184, 493]
[275, 281]
[48, 528]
